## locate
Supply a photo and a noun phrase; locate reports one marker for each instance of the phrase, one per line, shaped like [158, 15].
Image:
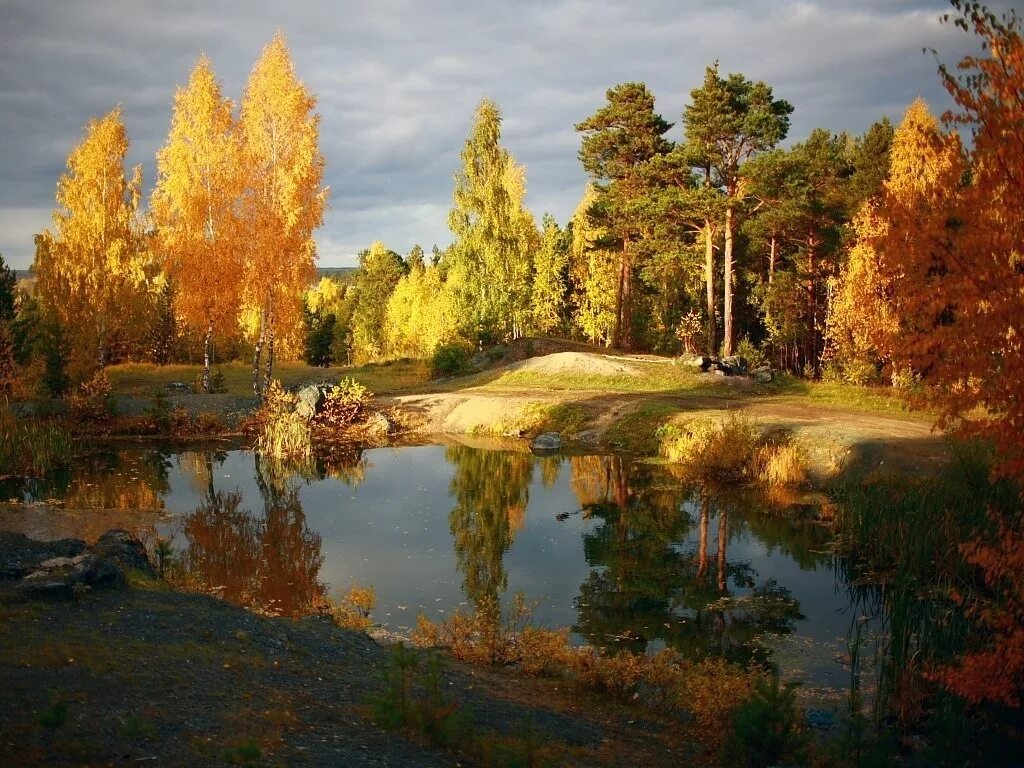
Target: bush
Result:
[352, 610]
[345, 405]
[94, 400]
[711, 449]
[282, 433]
[781, 465]
[450, 360]
[767, 728]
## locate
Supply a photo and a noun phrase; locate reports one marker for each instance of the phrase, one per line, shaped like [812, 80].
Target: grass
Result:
[657, 377]
[872, 399]
[29, 447]
[141, 379]
[535, 418]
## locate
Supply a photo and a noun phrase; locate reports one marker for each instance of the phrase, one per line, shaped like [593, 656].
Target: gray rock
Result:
[378, 426]
[179, 387]
[589, 436]
[695, 361]
[735, 364]
[63, 577]
[122, 548]
[547, 442]
[763, 374]
[310, 399]
[19, 555]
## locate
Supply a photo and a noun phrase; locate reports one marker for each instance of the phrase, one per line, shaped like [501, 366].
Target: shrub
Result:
[767, 728]
[751, 353]
[711, 449]
[282, 433]
[345, 405]
[352, 610]
[450, 360]
[781, 465]
[690, 332]
[94, 400]
[159, 412]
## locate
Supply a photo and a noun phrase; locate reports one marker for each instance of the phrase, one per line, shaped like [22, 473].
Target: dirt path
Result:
[835, 437]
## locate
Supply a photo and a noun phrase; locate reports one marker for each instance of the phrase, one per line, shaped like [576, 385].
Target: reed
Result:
[29, 447]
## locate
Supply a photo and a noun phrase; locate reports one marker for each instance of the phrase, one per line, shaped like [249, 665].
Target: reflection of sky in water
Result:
[392, 531]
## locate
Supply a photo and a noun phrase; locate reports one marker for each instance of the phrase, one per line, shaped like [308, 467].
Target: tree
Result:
[951, 253]
[380, 270]
[594, 272]
[728, 121]
[489, 264]
[618, 140]
[283, 202]
[8, 362]
[550, 279]
[420, 314]
[195, 206]
[92, 270]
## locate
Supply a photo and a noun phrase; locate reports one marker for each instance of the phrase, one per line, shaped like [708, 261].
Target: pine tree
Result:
[728, 121]
[380, 270]
[618, 140]
[550, 279]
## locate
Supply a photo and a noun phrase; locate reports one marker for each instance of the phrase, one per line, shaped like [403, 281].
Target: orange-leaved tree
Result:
[92, 270]
[954, 255]
[283, 202]
[194, 209]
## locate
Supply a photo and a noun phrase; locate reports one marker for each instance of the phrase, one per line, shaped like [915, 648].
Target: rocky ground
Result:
[119, 670]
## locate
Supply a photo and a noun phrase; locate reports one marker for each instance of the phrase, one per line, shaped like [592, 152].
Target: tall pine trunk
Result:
[207, 339]
[727, 340]
[709, 282]
[771, 259]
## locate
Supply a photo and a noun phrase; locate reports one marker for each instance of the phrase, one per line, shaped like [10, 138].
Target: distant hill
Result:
[334, 271]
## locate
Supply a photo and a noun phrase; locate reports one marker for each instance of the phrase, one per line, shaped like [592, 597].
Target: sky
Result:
[397, 82]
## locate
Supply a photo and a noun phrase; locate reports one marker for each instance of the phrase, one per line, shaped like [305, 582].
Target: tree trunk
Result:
[771, 260]
[626, 278]
[709, 282]
[812, 307]
[617, 327]
[270, 349]
[702, 550]
[206, 358]
[727, 340]
[257, 355]
[723, 538]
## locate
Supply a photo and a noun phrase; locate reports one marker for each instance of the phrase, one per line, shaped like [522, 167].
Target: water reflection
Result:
[626, 554]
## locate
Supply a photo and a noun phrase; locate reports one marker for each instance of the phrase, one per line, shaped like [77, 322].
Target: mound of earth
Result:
[586, 363]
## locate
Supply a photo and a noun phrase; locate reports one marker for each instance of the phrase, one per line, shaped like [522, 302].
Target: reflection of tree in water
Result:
[491, 490]
[130, 479]
[343, 462]
[646, 586]
[268, 564]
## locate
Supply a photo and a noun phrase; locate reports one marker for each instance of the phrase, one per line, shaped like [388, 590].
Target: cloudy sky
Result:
[397, 82]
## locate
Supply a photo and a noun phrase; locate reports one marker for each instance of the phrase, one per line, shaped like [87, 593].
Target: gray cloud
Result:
[397, 82]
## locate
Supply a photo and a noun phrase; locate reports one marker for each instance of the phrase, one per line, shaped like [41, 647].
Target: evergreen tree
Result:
[618, 140]
[550, 279]
[728, 121]
[379, 272]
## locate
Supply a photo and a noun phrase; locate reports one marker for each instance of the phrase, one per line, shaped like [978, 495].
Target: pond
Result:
[623, 552]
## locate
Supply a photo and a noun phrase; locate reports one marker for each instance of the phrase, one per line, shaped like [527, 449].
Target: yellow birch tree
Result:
[283, 202]
[194, 204]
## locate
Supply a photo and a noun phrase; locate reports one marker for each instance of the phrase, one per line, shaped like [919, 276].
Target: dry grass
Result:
[711, 449]
[782, 465]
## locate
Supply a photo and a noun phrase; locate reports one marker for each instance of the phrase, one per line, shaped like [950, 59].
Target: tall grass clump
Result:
[780, 465]
[282, 433]
[904, 539]
[29, 447]
[721, 450]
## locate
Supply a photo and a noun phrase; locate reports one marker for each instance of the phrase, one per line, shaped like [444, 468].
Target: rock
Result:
[735, 364]
[763, 374]
[310, 399]
[719, 372]
[120, 547]
[547, 442]
[19, 555]
[589, 436]
[696, 361]
[63, 577]
[179, 387]
[378, 426]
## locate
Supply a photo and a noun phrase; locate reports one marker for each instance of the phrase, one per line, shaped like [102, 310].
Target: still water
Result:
[623, 552]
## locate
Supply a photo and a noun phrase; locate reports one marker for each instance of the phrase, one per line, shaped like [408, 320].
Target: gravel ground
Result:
[145, 675]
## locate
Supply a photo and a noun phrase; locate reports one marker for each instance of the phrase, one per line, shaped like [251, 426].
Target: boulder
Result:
[19, 555]
[122, 548]
[310, 399]
[546, 443]
[735, 364]
[695, 361]
[63, 577]
[179, 387]
[763, 374]
[378, 426]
